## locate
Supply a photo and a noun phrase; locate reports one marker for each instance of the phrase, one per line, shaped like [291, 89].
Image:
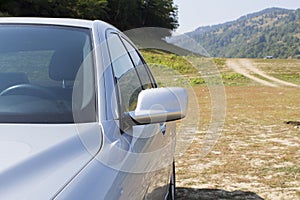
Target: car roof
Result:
[52, 21]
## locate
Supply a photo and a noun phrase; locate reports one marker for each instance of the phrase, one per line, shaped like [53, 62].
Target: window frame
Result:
[121, 111]
[89, 32]
[145, 66]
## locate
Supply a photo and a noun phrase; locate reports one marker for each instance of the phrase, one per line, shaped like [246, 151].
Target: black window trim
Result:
[116, 86]
[150, 76]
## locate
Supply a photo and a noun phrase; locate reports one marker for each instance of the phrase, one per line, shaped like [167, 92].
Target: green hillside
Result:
[271, 32]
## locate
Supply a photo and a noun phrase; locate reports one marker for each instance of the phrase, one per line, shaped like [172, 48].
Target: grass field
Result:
[287, 70]
[258, 154]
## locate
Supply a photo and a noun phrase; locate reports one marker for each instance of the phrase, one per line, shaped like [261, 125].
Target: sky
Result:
[195, 13]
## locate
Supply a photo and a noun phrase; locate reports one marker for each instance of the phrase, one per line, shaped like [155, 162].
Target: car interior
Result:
[39, 71]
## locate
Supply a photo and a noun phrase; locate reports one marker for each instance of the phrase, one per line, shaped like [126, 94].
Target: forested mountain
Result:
[124, 14]
[271, 32]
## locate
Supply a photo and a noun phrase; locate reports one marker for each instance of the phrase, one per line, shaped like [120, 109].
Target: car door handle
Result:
[163, 128]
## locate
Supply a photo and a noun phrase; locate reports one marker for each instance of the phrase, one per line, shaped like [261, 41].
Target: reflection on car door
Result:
[151, 146]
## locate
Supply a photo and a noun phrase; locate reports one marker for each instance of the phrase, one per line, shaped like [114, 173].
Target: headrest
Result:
[65, 65]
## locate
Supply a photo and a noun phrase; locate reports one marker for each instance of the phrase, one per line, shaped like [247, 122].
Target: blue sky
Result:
[195, 13]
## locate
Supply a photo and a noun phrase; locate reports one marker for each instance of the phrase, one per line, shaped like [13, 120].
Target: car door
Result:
[150, 153]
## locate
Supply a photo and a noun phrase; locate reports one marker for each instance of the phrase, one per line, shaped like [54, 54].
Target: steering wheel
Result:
[29, 89]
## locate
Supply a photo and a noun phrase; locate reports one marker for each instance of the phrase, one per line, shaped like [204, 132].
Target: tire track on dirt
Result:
[249, 65]
[237, 67]
[245, 67]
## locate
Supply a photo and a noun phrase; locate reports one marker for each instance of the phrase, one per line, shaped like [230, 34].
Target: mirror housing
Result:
[160, 105]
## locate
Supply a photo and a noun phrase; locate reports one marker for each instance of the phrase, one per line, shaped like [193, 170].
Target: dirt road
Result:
[249, 70]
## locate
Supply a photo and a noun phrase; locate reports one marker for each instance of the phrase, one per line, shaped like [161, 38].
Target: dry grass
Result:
[287, 70]
[257, 155]
[257, 151]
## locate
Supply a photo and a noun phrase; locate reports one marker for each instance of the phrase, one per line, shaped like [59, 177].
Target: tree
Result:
[143, 13]
[124, 14]
[88, 9]
[162, 13]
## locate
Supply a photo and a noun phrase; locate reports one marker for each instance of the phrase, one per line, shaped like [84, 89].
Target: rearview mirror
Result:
[159, 105]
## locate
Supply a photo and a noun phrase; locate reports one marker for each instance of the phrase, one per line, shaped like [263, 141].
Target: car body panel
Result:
[94, 160]
[48, 21]
[38, 160]
[112, 178]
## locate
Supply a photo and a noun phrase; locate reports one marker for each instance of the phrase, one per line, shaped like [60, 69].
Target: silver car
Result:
[81, 116]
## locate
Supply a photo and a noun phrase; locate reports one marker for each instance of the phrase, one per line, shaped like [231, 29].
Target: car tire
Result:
[172, 186]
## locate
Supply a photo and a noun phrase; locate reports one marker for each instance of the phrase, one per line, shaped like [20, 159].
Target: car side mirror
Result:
[159, 105]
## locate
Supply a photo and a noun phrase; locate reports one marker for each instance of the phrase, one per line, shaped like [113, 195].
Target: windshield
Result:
[46, 74]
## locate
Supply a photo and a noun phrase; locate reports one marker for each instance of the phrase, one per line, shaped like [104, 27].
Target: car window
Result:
[140, 66]
[128, 82]
[39, 71]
